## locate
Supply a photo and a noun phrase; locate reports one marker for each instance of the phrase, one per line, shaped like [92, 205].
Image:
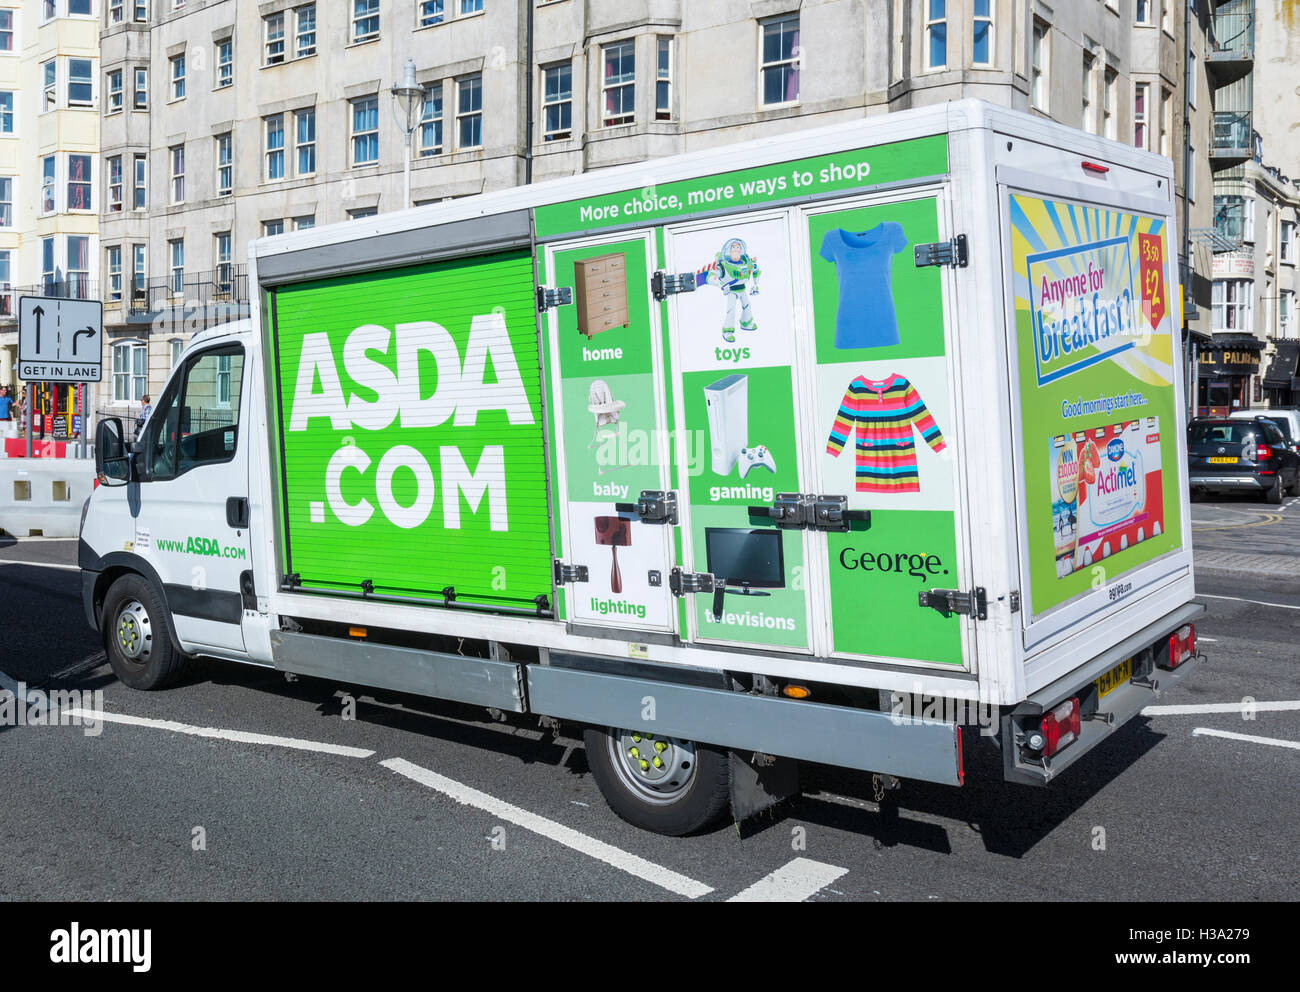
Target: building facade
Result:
[224, 121]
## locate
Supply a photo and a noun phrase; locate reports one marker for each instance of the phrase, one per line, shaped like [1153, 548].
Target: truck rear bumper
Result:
[1103, 715]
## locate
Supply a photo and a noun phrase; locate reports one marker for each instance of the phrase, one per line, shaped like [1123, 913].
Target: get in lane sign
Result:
[60, 340]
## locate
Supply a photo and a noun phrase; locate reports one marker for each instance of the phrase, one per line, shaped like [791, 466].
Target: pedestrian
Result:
[6, 402]
[144, 415]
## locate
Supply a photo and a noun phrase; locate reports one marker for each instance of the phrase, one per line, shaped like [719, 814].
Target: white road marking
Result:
[1238, 599]
[40, 564]
[615, 857]
[1207, 732]
[219, 733]
[793, 882]
[1280, 706]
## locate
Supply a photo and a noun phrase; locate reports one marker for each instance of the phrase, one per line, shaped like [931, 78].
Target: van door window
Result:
[199, 422]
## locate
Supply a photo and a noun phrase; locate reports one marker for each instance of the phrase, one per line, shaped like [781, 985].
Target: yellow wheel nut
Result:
[636, 738]
[634, 753]
[660, 746]
[645, 765]
[658, 762]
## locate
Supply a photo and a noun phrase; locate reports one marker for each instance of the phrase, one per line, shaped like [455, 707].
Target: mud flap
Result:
[756, 786]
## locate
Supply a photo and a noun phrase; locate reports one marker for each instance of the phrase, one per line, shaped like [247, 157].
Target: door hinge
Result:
[951, 253]
[666, 284]
[548, 298]
[949, 601]
[569, 573]
[1015, 601]
[653, 506]
[684, 583]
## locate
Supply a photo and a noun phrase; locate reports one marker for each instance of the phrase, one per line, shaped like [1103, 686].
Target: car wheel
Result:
[1274, 494]
[137, 637]
[1294, 489]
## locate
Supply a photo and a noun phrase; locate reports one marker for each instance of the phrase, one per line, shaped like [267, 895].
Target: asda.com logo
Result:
[205, 546]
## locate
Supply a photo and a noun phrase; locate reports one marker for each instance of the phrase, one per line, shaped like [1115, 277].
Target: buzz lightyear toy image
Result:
[735, 272]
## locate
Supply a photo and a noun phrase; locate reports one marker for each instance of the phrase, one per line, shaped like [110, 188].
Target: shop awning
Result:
[1282, 369]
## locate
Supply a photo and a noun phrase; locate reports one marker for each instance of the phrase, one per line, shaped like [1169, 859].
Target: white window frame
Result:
[88, 181]
[90, 80]
[432, 124]
[223, 270]
[225, 67]
[354, 134]
[1227, 297]
[224, 142]
[931, 25]
[176, 187]
[176, 86]
[1040, 66]
[13, 115]
[359, 17]
[1248, 219]
[1109, 88]
[794, 63]
[1286, 314]
[15, 43]
[176, 267]
[1286, 243]
[558, 104]
[301, 50]
[139, 272]
[137, 90]
[272, 124]
[116, 102]
[465, 115]
[1144, 19]
[116, 11]
[139, 181]
[986, 18]
[79, 277]
[116, 203]
[134, 376]
[49, 90]
[663, 77]
[112, 277]
[273, 228]
[13, 196]
[50, 183]
[176, 348]
[606, 86]
[273, 44]
[430, 12]
[299, 145]
[1142, 118]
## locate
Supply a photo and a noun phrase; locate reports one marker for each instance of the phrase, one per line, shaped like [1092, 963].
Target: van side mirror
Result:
[112, 460]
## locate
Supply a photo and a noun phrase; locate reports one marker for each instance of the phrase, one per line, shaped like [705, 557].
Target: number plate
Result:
[1222, 461]
[1115, 678]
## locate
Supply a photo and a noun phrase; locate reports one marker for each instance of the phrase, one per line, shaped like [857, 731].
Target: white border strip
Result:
[1284, 706]
[793, 882]
[1229, 735]
[613, 856]
[238, 736]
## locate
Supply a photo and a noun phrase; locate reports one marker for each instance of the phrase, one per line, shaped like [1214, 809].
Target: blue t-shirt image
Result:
[862, 261]
[5, 403]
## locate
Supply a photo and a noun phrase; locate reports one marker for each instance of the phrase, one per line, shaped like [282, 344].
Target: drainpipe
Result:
[528, 95]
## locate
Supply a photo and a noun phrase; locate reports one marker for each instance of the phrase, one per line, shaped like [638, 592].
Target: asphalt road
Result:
[415, 799]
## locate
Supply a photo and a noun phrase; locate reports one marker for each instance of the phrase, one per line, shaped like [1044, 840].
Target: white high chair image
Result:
[602, 405]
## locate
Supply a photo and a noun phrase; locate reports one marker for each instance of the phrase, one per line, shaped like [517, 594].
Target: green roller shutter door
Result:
[411, 433]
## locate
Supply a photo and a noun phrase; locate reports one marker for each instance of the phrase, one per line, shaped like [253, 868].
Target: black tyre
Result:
[661, 784]
[1197, 495]
[1273, 495]
[137, 635]
[1294, 489]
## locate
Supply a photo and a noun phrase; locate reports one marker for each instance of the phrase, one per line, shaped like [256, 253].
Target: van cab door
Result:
[193, 520]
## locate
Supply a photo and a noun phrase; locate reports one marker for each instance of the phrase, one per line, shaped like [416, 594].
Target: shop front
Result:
[1224, 374]
[1281, 378]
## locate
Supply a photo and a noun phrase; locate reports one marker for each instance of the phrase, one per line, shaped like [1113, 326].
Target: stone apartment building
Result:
[225, 120]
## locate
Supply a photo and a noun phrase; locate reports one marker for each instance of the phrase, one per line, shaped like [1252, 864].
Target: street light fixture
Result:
[409, 98]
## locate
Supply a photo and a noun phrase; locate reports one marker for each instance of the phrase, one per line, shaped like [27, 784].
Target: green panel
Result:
[747, 188]
[411, 432]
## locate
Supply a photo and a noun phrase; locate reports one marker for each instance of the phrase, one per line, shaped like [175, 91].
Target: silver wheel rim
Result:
[659, 770]
[134, 632]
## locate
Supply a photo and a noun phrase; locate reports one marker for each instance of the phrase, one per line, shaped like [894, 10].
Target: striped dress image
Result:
[882, 413]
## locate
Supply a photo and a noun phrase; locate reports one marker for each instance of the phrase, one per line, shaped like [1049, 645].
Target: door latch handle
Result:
[237, 514]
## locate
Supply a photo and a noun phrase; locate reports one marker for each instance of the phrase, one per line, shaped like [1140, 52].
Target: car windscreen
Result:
[1219, 433]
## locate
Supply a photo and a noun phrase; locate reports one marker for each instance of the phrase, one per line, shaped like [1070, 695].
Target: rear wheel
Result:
[1274, 493]
[1294, 489]
[662, 784]
[136, 635]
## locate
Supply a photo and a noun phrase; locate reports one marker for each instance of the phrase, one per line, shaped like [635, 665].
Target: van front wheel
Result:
[662, 784]
[136, 636]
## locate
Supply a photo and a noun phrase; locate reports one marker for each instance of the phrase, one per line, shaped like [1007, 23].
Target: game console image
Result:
[727, 402]
[754, 457]
[745, 560]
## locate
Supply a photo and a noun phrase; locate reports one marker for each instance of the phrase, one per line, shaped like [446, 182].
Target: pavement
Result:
[239, 784]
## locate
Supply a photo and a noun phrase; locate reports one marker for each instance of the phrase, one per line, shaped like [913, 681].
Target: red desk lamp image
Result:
[617, 533]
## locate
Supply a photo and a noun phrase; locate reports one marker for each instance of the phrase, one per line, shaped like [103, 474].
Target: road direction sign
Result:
[60, 340]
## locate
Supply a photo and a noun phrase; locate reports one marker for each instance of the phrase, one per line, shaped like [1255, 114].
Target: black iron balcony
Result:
[224, 286]
[1232, 42]
[1233, 137]
[74, 287]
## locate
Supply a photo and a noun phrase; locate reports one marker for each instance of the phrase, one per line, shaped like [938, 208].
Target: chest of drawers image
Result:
[601, 290]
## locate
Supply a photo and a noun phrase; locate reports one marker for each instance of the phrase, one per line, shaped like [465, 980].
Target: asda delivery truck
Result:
[830, 447]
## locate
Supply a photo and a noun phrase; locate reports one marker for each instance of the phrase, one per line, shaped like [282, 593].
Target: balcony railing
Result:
[224, 285]
[1232, 35]
[1233, 136]
[76, 287]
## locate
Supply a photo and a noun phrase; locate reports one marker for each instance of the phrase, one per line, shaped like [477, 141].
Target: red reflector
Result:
[1060, 727]
[1096, 167]
[961, 762]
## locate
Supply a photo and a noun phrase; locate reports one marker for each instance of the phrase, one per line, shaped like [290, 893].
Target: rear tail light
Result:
[1263, 453]
[1057, 729]
[1181, 647]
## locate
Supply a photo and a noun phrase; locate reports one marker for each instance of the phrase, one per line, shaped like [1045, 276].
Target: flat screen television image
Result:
[745, 559]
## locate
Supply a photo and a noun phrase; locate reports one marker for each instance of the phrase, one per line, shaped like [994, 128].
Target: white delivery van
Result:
[827, 447]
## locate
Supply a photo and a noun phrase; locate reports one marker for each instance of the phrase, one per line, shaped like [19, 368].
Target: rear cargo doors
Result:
[816, 378]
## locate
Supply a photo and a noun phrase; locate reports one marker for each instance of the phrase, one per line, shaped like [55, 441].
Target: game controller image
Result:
[757, 455]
